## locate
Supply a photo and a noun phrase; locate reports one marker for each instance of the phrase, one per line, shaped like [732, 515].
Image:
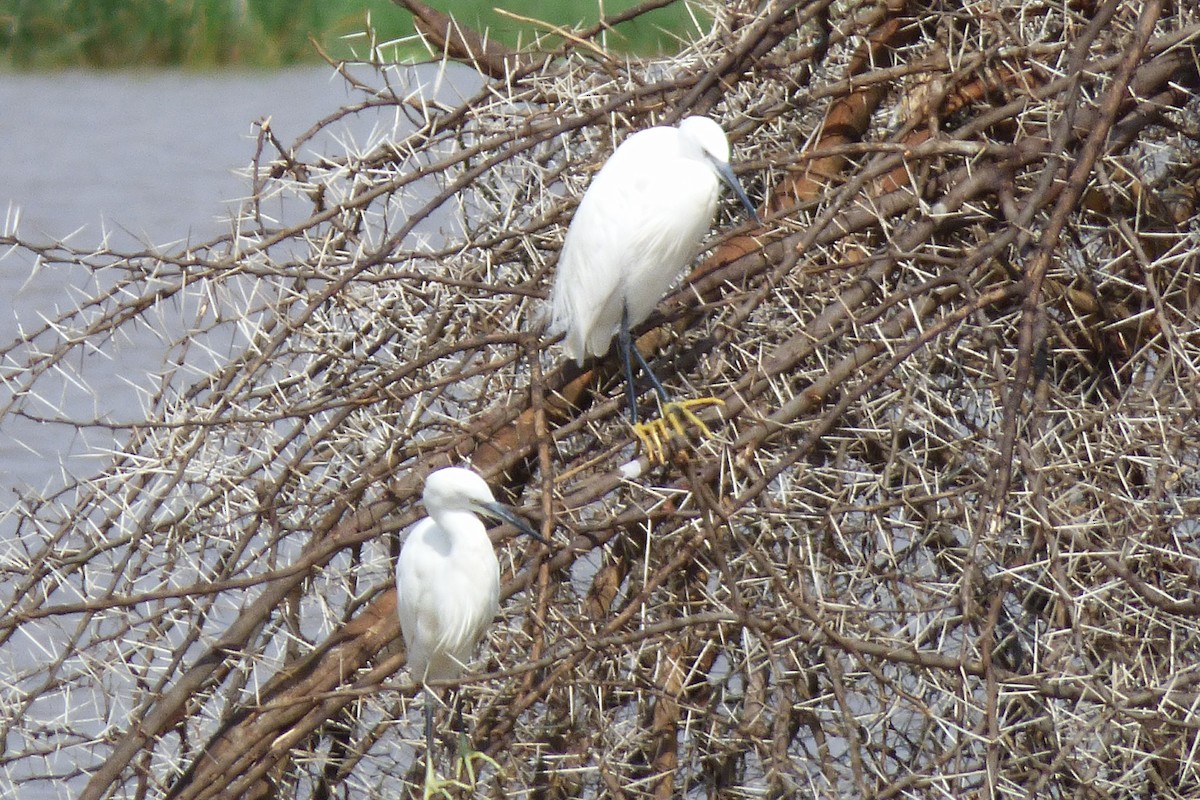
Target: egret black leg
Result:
[625, 342]
[658, 387]
[428, 726]
[466, 752]
[433, 784]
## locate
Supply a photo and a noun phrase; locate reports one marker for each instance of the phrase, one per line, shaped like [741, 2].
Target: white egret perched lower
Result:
[448, 591]
[640, 222]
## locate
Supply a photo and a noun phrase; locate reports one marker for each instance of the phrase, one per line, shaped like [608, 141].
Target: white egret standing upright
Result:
[639, 224]
[448, 591]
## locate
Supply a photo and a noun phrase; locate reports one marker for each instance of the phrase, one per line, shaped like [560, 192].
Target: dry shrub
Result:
[942, 545]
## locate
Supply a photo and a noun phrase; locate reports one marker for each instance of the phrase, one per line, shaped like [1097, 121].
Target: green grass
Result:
[44, 34]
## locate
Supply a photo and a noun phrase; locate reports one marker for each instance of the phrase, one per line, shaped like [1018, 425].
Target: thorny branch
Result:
[943, 544]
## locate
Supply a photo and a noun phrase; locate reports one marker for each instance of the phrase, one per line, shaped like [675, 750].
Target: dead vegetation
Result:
[944, 544]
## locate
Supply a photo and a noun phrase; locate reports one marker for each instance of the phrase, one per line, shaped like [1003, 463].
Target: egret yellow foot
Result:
[656, 433]
[437, 786]
[466, 754]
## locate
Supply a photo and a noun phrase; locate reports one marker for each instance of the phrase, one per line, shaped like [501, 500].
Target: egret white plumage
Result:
[640, 222]
[448, 591]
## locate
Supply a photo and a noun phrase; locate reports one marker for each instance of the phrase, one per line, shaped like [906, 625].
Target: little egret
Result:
[448, 591]
[638, 225]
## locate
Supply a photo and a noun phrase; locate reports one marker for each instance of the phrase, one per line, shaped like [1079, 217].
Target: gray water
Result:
[147, 156]
[128, 159]
[132, 160]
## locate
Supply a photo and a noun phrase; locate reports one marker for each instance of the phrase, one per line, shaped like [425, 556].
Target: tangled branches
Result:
[943, 544]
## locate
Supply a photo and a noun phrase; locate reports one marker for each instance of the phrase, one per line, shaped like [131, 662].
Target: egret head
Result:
[460, 489]
[706, 136]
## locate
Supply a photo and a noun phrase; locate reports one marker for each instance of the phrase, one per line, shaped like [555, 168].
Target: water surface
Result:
[136, 161]
[132, 160]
